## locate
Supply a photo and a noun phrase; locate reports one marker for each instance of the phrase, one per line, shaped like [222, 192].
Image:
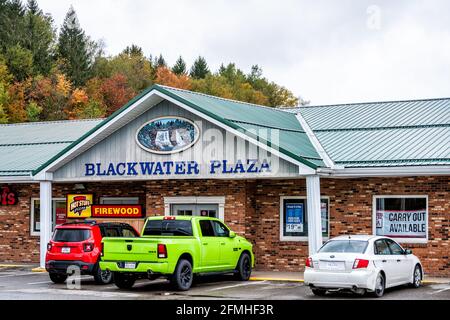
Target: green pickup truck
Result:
[177, 248]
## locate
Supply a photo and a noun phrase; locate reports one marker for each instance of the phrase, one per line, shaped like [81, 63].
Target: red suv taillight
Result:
[309, 263]
[49, 246]
[360, 264]
[162, 251]
[88, 247]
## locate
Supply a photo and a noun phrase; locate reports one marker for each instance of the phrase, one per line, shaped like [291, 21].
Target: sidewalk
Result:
[298, 277]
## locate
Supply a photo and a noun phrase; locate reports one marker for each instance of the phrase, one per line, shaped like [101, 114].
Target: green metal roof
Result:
[24, 147]
[255, 121]
[381, 134]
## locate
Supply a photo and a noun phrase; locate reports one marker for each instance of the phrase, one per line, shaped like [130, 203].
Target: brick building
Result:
[285, 179]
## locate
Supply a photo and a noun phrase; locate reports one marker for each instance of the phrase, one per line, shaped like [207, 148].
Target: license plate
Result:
[332, 265]
[65, 250]
[130, 265]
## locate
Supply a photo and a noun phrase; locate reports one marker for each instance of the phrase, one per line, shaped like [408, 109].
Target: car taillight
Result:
[309, 263]
[170, 218]
[49, 246]
[102, 246]
[162, 251]
[88, 247]
[360, 264]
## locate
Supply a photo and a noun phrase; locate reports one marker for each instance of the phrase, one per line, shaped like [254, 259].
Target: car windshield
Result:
[71, 235]
[168, 228]
[344, 246]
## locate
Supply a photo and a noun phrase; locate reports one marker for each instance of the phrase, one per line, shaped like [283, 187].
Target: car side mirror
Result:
[408, 252]
[232, 234]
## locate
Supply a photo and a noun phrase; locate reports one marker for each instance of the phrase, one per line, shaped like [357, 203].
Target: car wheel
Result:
[58, 278]
[124, 281]
[417, 277]
[183, 277]
[319, 292]
[244, 268]
[102, 276]
[380, 285]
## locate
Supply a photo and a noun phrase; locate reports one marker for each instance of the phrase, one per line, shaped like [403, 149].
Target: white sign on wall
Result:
[402, 224]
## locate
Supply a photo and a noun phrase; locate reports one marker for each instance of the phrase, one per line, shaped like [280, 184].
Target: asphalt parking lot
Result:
[22, 284]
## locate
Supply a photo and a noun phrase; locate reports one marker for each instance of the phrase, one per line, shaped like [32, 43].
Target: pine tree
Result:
[39, 38]
[180, 67]
[199, 69]
[33, 7]
[134, 50]
[74, 50]
[160, 62]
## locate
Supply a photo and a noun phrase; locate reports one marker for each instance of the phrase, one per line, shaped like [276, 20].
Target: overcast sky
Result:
[327, 51]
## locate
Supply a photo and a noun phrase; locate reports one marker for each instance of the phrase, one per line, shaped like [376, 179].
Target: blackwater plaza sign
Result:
[190, 168]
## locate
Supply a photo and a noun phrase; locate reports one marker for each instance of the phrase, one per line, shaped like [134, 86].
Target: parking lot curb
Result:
[276, 279]
[39, 270]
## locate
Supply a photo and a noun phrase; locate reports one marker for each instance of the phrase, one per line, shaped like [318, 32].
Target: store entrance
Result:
[202, 210]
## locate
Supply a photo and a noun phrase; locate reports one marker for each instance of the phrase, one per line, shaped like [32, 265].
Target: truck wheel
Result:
[244, 268]
[183, 277]
[58, 278]
[102, 276]
[124, 281]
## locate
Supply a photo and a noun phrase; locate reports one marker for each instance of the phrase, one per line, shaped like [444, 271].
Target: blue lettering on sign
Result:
[175, 168]
[90, 170]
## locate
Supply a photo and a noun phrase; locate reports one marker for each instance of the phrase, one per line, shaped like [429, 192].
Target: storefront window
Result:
[404, 218]
[294, 219]
[58, 214]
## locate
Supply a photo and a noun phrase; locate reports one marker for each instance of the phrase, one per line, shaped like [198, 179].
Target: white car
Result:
[362, 264]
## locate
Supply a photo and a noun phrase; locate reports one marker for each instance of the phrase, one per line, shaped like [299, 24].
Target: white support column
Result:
[314, 214]
[45, 219]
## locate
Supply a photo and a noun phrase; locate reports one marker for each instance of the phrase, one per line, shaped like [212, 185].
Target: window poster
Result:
[294, 217]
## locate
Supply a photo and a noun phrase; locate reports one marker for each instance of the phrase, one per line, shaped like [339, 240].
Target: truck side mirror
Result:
[232, 234]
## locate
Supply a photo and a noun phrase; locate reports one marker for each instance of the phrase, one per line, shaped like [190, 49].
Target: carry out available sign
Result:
[402, 224]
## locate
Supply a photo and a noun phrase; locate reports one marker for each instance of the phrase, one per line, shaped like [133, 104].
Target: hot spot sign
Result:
[117, 211]
[79, 206]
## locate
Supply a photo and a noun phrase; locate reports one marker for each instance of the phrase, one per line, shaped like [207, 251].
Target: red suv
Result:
[79, 244]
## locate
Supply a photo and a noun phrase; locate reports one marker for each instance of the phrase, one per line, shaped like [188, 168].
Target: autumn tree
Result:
[199, 69]
[116, 92]
[166, 77]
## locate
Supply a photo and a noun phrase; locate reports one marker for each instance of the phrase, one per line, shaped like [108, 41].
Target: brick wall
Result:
[350, 213]
[253, 209]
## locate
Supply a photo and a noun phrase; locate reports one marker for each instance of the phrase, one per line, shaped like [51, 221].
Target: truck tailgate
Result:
[130, 249]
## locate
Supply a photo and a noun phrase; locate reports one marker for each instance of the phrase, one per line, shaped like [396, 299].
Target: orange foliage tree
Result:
[166, 77]
[116, 93]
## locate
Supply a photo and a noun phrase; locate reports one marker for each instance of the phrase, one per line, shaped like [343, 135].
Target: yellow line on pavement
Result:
[276, 279]
[37, 270]
[12, 266]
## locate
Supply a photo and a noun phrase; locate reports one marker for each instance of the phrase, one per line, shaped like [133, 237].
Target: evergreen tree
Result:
[33, 7]
[134, 50]
[39, 38]
[180, 67]
[11, 24]
[75, 50]
[199, 69]
[160, 62]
